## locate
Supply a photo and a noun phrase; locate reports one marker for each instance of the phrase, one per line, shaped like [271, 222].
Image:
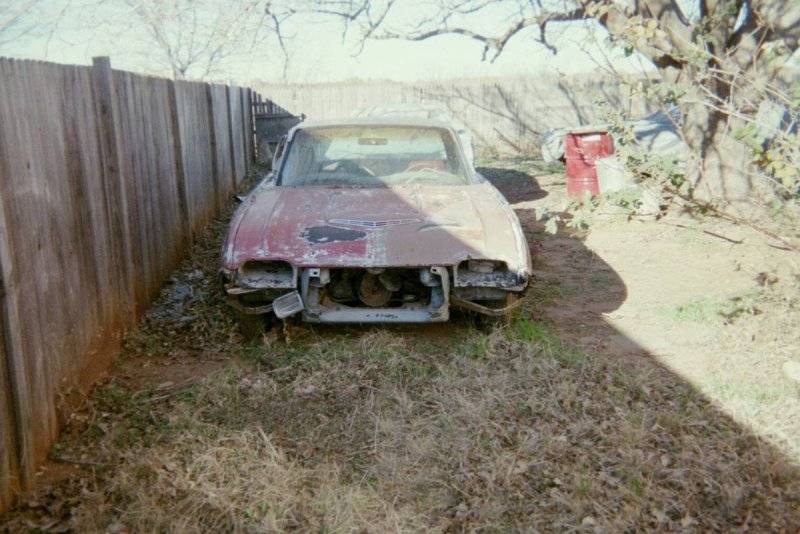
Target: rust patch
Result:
[318, 235]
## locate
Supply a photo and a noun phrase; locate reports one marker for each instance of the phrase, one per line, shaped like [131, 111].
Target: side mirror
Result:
[239, 198]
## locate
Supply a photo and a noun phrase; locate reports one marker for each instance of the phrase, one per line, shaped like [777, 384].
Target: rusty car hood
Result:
[409, 225]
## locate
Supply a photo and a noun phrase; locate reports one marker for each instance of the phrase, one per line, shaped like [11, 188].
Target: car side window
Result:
[279, 149]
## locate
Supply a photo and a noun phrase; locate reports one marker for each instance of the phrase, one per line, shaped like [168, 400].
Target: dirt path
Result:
[629, 393]
[716, 304]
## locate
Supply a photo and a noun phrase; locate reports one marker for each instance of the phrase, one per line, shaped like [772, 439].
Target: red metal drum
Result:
[581, 150]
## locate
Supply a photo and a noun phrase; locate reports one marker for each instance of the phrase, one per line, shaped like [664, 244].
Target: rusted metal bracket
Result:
[479, 308]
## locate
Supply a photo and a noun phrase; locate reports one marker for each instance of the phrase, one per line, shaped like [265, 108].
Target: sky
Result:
[319, 53]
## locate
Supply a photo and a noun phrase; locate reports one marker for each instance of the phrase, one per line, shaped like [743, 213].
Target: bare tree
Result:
[25, 18]
[196, 38]
[719, 61]
[12, 19]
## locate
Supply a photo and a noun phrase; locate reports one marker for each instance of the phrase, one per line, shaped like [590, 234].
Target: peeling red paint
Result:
[410, 225]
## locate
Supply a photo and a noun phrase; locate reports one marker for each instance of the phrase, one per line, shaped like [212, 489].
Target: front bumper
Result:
[314, 308]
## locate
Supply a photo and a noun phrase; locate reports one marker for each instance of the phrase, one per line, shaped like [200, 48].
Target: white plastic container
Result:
[612, 175]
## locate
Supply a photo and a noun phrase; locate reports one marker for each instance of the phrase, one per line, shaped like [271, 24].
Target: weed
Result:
[475, 346]
[528, 331]
[584, 487]
[636, 486]
[710, 311]
[699, 311]
[542, 338]
[418, 370]
[545, 292]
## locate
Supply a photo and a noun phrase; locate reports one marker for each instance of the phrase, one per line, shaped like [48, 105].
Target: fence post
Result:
[212, 135]
[250, 138]
[230, 137]
[180, 172]
[9, 455]
[115, 199]
[243, 113]
[19, 458]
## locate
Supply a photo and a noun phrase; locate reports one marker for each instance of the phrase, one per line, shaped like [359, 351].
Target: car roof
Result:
[394, 106]
[373, 121]
[412, 110]
[431, 111]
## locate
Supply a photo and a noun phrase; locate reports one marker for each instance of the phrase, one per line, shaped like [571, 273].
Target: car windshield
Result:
[373, 156]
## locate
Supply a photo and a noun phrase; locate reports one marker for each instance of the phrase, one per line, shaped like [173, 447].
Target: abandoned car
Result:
[374, 220]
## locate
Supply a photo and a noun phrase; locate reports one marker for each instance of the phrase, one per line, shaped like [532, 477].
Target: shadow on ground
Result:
[517, 186]
[556, 422]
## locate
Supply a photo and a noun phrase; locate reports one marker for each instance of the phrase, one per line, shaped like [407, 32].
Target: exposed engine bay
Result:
[373, 294]
[375, 288]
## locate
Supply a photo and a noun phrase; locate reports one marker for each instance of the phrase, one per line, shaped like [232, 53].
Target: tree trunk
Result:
[718, 165]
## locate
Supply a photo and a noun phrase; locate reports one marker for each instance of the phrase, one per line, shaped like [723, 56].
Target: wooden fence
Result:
[105, 176]
[271, 123]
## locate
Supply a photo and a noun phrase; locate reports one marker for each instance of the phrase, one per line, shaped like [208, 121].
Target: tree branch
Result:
[492, 44]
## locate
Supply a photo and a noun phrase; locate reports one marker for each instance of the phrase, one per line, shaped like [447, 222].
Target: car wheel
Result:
[254, 326]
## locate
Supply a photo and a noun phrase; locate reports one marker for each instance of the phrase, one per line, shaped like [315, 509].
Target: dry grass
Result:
[399, 429]
[371, 431]
[747, 379]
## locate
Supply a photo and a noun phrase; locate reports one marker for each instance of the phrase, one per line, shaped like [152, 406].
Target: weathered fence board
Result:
[222, 140]
[237, 133]
[249, 129]
[104, 177]
[120, 297]
[270, 123]
[148, 167]
[9, 467]
[11, 377]
[48, 192]
[196, 149]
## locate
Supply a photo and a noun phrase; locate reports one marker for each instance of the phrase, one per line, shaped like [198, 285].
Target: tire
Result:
[253, 326]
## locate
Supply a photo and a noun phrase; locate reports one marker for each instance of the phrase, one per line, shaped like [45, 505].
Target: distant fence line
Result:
[506, 115]
[105, 176]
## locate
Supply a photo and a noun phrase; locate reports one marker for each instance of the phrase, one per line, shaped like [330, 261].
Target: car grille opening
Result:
[376, 288]
[487, 273]
[267, 274]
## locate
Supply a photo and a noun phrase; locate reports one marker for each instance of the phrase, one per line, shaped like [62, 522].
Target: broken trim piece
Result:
[287, 305]
[480, 308]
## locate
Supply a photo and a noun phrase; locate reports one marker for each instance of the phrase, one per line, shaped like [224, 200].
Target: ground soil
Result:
[715, 303]
[640, 387]
[670, 290]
